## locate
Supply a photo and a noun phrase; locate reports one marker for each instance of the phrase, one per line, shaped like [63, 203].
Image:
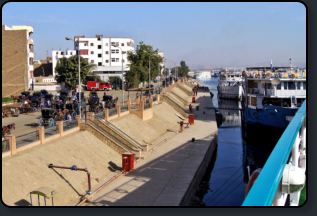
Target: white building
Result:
[101, 51]
[161, 53]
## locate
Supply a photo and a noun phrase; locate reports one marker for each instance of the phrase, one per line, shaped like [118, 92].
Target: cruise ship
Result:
[230, 85]
[272, 99]
[202, 74]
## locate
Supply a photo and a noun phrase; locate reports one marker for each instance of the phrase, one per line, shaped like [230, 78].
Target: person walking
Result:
[196, 91]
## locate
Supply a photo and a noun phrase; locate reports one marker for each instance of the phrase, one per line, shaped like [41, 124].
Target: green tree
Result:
[67, 69]
[116, 81]
[182, 70]
[139, 67]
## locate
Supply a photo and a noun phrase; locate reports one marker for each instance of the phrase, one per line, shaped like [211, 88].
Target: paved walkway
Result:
[163, 178]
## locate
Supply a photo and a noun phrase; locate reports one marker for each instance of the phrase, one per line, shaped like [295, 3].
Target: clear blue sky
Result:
[202, 34]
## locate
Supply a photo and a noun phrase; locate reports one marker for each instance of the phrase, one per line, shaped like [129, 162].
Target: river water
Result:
[226, 179]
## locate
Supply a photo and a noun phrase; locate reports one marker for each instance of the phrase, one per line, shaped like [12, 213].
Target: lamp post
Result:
[122, 72]
[79, 87]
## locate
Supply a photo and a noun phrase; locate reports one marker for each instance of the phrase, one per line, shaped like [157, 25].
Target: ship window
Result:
[279, 86]
[298, 85]
[304, 85]
[255, 85]
[291, 85]
[285, 85]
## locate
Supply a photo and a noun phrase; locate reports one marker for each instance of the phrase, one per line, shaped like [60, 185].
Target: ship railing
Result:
[272, 187]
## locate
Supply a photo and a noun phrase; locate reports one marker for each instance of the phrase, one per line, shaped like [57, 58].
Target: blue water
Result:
[229, 177]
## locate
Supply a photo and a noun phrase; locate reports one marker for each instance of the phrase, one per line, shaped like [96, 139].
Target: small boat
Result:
[230, 85]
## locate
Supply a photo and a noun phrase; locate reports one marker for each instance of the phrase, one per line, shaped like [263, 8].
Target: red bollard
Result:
[193, 100]
[181, 126]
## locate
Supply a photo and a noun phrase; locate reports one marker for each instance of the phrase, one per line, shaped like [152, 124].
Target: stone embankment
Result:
[91, 149]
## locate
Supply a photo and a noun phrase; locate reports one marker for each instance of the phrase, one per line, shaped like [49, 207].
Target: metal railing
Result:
[133, 106]
[124, 108]
[147, 106]
[26, 139]
[67, 125]
[122, 134]
[109, 135]
[182, 99]
[100, 115]
[267, 187]
[179, 104]
[52, 131]
[112, 112]
[5, 146]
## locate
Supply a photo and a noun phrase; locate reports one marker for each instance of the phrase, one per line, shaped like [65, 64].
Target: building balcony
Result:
[31, 55]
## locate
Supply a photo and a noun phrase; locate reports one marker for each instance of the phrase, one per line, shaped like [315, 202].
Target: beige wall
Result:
[14, 62]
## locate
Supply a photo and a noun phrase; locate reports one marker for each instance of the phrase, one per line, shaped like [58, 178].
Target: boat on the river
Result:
[272, 98]
[202, 74]
[230, 85]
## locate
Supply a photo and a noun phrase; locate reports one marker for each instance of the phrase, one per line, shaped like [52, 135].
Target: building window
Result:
[107, 52]
[92, 61]
[91, 44]
[91, 52]
[99, 46]
[71, 53]
[279, 86]
[99, 64]
[128, 43]
[62, 53]
[113, 51]
[113, 60]
[117, 51]
[107, 61]
[85, 44]
[99, 55]
[122, 44]
[117, 59]
[56, 53]
[106, 44]
[123, 60]
[114, 43]
[83, 52]
[123, 52]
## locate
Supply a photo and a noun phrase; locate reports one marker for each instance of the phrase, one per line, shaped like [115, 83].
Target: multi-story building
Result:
[101, 52]
[17, 59]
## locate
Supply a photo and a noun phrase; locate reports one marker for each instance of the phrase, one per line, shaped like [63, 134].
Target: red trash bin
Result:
[191, 118]
[127, 161]
[193, 100]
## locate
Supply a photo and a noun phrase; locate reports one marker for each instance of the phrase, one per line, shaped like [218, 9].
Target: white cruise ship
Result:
[202, 74]
[230, 85]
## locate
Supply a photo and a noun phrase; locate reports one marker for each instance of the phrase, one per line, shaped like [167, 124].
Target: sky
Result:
[205, 34]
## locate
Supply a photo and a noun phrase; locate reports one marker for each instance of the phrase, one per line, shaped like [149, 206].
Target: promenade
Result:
[169, 175]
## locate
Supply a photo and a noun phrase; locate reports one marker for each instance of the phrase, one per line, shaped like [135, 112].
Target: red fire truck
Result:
[97, 85]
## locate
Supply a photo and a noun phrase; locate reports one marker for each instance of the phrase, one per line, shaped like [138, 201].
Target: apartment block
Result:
[102, 52]
[17, 59]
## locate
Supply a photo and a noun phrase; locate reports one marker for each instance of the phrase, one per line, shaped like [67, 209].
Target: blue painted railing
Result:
[266, 185]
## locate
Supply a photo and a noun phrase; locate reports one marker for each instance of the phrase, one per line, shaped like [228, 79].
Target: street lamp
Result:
[122, 73]
[79, 87]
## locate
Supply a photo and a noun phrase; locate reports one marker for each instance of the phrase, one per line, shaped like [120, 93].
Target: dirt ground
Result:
[28, 170]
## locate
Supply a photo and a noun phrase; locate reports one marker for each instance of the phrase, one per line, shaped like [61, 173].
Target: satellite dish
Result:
[276, 81]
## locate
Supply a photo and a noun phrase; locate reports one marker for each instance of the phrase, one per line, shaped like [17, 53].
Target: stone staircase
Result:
[119, 134]
[177, 105]
[185, 89]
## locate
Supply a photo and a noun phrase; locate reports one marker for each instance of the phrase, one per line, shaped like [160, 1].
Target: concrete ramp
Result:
[28, 171]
